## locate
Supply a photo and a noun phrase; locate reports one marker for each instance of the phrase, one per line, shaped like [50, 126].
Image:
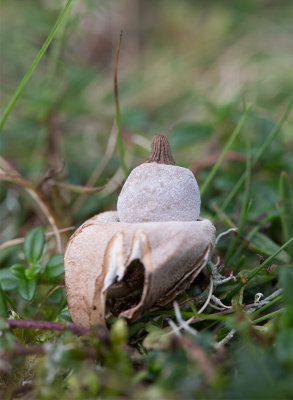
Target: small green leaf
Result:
[64, 316]
[55, 266]
[3, 305]
[7, 280]
[18, 270]
[27, 289]
[32, 273]
[34, 245]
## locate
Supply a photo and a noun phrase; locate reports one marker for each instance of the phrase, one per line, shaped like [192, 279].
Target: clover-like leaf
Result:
[34, 245]
[64, 315]
[32, 273]
[55, 266]
[18, 270]
[7, 280]
[27, 288]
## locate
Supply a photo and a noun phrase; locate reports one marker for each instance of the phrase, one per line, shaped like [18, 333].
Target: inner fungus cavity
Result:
[126, 294]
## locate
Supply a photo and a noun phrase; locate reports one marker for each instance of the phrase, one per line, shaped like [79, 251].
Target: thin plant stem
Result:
[39, 198]
[46, 298]
[17, 241]
[100, 331]
[224, 217]
[246, 241]
[246, 205]
[226, 339]
[56, 51]
[267, 316]
[77, 204]
[117, 110]
[34, 64]
[224, 152]
[243, 221]
[258, 269]
[260, 153]
[253, 232]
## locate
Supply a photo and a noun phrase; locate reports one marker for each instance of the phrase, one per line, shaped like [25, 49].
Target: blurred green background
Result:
[186, 69]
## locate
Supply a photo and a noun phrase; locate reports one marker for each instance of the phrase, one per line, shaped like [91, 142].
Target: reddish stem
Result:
[100, 331]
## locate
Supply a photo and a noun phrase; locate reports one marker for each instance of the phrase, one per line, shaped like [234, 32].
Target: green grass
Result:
[34, 64]
[184, 70]
[227, 147]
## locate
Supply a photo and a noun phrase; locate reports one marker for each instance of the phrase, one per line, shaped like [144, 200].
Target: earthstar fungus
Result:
[142, 256]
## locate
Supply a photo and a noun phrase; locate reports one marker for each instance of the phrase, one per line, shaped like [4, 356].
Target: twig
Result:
[216, 307]
[76, 188]
[23, 351]
[14, 177]
[16, 241]
[46, 298]
[181, 321]
[226, 339]
[99, 168]
[222, 281]
[219, 237]
[185, 324]
[211, 160]
[117, 179]
[175, 329]
[50, 174]
[209, 296]
[100, 331]
[219, 303]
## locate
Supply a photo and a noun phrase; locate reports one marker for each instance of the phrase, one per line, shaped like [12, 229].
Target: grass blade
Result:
[267, 316]
[266, 144]
[257, 270]
[286, 205]
[34, 64]
[246, 204]
[224, 152]
[239, 233]
[263, 308]
[117, 109]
